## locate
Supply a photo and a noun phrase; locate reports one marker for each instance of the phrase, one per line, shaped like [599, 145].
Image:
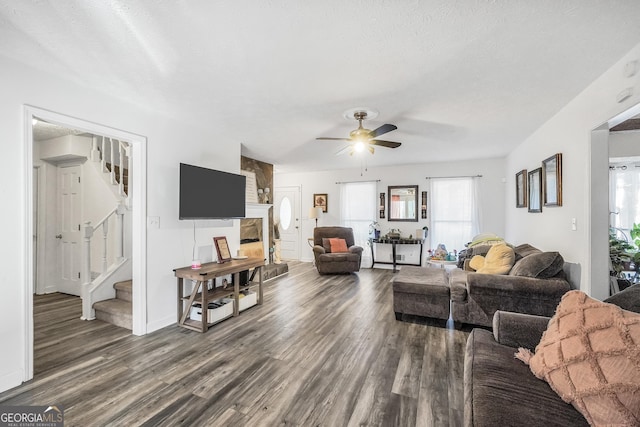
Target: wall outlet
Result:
[574, 224]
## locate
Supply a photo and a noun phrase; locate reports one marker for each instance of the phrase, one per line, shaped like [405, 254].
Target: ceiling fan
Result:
[361, 138]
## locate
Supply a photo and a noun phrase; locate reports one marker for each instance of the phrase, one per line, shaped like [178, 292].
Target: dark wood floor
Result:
[321, 351]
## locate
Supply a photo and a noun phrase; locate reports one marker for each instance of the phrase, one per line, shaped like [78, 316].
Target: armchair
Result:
[328, 262]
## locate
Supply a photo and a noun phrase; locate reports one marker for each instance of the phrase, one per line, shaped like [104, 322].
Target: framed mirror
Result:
[403, 203]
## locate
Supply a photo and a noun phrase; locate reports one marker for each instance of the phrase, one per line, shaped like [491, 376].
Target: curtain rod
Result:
[353, 182]
[458, 176]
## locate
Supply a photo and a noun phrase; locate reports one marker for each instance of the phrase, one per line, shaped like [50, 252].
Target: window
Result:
[358, 205]
[454, 212]
[624, 198]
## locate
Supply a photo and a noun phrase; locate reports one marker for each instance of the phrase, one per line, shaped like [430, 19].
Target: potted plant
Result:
[621, 254]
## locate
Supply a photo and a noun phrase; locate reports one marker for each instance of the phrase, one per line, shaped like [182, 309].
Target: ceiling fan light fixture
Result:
[358, 146]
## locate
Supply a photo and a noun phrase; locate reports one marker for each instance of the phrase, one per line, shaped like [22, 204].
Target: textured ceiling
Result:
[474, 77]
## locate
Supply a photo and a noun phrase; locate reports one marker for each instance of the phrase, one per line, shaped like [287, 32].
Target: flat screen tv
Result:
[210, 194]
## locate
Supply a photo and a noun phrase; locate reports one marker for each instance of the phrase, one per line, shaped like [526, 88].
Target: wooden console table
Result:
[393, 243]
[202, 295]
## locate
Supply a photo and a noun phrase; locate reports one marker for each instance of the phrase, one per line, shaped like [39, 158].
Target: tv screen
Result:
[210, 194]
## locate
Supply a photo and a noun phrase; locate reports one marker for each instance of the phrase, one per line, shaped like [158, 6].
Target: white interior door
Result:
[69, 214]
[287, 211]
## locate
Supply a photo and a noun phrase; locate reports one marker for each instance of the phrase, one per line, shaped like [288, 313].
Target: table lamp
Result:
[315, 213]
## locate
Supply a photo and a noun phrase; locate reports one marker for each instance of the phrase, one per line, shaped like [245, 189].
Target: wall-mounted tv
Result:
[211, 194]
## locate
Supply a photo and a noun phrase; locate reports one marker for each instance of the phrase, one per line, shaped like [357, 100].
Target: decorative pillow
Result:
[477, 262]
[335, 245]
[499, 260]
[590, 356]
[525, 250]
[543, 265]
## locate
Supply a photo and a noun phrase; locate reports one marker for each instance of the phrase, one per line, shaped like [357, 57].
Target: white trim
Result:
[27, 289]
[139, 230]
[161, 323]
[260, 210]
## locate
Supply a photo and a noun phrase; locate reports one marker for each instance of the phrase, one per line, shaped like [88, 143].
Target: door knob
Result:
[58, 236]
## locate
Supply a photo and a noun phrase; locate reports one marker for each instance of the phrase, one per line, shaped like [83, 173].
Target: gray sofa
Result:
[535, 285]
[335, 263]
[500, 390]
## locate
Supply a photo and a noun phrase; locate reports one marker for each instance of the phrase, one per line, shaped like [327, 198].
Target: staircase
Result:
[117, 311]
[112, 160]
[121, 179]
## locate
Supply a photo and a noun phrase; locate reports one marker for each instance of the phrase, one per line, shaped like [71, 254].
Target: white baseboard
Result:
[11, 380]
[161, 323]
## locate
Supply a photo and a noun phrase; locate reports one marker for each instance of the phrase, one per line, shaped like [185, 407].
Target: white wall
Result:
[492, 192]
[569, 133]
[169, 141]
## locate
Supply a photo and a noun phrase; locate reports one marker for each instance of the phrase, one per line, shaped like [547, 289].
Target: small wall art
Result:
[382, 205]
[552, 179]
[521, 189]
[320, 201]
[423, 206]
[534, 184]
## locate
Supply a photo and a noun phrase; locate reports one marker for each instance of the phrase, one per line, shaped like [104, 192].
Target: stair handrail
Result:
[87, 234]
[112, 149]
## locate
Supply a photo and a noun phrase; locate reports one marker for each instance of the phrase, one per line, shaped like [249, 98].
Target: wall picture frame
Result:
[382, 206]
[552, 180]
[222, 248]
[534, 185]
[521, 189]
[320, 200]
[423, 205]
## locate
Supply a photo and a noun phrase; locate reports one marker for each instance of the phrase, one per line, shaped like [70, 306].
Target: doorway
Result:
[138, 245]
[287, 214]
[597, 277]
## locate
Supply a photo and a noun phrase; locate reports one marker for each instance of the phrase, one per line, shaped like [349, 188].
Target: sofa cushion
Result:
[334, 245]
[590, 355]
[629, 299]
[458, 285]
[501, 391]
[543, 265]
[339, 257]
[499, 260]
[525, 250]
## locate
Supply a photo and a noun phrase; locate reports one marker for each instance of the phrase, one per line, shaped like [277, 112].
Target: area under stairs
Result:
[117, 311]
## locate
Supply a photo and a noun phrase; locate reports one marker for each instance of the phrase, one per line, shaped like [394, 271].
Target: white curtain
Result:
[358, 209]
[624, 198]
[455, 212]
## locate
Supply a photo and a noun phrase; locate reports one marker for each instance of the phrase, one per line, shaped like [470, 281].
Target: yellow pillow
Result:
[477, 262]
[499, 260]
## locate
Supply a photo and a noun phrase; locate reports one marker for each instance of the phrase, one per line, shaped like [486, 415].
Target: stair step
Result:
[124, 290]
[115, 311]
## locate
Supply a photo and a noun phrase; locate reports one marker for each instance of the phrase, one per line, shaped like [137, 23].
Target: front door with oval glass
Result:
[287, 213]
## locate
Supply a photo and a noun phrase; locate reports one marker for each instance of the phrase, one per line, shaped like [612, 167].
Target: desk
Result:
[393, 243]
[201, 294]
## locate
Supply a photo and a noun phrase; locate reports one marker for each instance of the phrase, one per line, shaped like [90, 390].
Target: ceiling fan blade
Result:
[382, 130]
[371, 149]
[333, 139]
[382, 143]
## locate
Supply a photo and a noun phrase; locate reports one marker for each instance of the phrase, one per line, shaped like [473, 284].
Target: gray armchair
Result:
[340, 262]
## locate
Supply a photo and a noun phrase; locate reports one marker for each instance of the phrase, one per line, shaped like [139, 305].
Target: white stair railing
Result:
[115, 154]
[88, 232]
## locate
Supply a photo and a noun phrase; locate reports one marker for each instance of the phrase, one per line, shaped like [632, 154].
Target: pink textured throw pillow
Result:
[590, 356]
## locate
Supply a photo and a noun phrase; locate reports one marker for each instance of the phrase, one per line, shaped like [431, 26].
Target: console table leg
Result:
[393, 255]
